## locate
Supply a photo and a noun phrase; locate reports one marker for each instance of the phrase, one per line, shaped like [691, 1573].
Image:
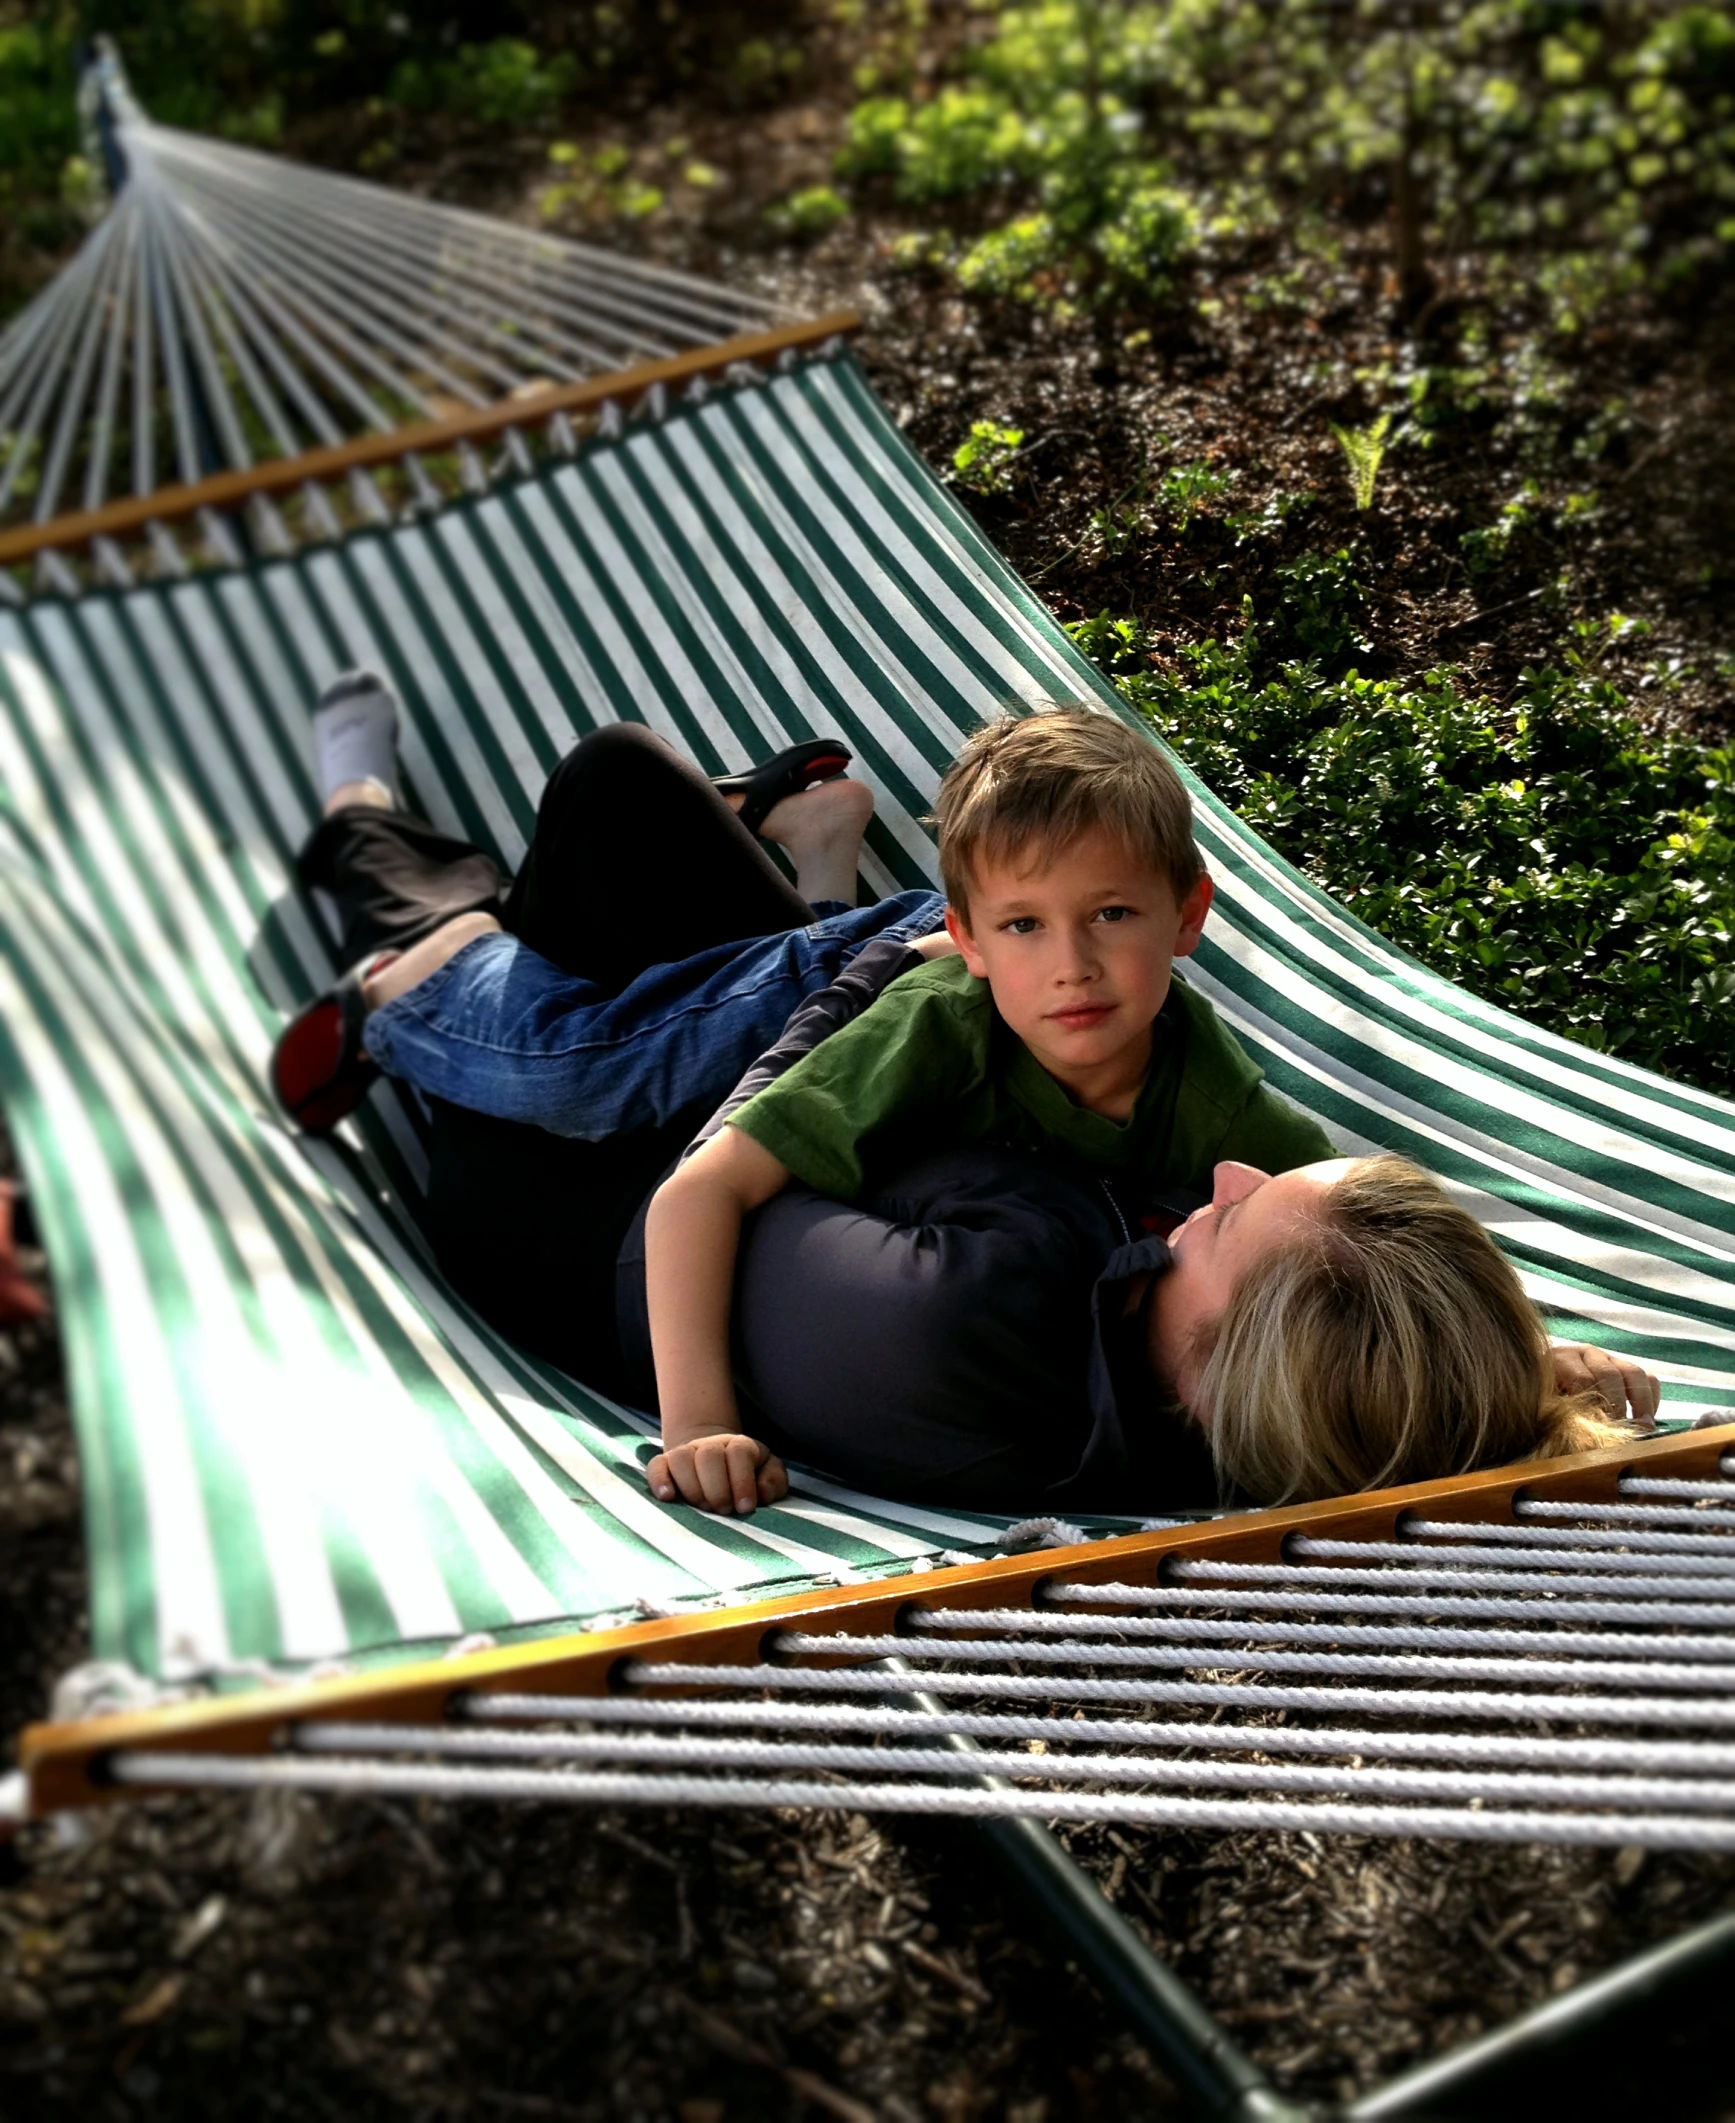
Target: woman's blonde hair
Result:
[1389, 1343]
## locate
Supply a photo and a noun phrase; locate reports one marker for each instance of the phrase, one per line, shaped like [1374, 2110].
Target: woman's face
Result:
[1250, 1216]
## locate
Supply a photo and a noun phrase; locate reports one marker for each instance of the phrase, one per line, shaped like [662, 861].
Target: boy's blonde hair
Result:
[1391, 1343]
[1029, 785]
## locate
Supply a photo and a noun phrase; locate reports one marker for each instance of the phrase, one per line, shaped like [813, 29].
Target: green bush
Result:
[1190, 489]
[985, 458]
[505, 83]
[38, 115]
[810, 212]
[1551, 854]
[1582, 153]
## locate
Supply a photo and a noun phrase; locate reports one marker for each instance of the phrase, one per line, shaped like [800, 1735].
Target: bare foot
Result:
[820, 829]
[817, 820]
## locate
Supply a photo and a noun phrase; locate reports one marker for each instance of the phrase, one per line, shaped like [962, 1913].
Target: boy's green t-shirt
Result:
[931, 1065]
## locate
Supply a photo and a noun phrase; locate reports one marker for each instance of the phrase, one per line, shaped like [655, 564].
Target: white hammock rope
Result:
[1531, 1751]
[1224, 1651]
[232, 306]
[611, 1788]
[1185, 1703]
[1683, 1514]
[1712, 1542]
[1679, 1561]
[713, 1752]
[1541, 1606]
[1569, 1573]
[1080, 1629]
[1671, 1485]
[1065, 1688]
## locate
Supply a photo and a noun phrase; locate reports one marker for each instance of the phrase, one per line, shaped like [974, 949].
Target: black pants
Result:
[636, 861]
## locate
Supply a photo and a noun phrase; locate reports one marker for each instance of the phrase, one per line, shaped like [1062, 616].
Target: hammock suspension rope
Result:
[232, 307]
[998, 1678]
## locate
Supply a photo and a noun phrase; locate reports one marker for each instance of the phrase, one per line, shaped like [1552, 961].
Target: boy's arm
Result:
[692, 1236]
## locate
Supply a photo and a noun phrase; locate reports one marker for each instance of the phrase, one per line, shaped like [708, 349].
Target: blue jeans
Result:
[504, 1031]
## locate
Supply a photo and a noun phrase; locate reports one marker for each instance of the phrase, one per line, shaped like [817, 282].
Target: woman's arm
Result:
[692, 1236]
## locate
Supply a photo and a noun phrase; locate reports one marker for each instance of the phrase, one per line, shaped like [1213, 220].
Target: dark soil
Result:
[217, 1958]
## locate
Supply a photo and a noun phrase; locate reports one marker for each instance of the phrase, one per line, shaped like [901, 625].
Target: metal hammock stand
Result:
[373, 411]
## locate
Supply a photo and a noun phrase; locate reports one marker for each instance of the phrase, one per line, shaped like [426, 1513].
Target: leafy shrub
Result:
[1047, 113]
[601, 186]
[1319, 610]
[1551, 854]
[1583, 153]
[504, 83]
[1189, 488]
[810, 212]
[38, 116]
[1008, 260]
[1148, 229]
[984, 459]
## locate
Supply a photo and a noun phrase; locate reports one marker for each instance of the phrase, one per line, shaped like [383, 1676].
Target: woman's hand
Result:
[1617, 1381]
[725, 1471]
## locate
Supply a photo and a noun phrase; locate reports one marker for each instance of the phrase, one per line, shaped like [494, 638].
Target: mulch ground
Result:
[285, 1958]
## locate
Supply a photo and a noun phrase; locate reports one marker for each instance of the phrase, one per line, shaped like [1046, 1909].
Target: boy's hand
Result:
[1616, 1380]
[725, 1471]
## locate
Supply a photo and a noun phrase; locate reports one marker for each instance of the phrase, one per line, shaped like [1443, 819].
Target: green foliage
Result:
[1108, 143]
[984, 460]
[1188, 489]
[810, 212]
[41, 197]
[1047, 112]
[1364, 451]
[504, 83]
[38, 120]
[600, 186]
[1011, 260]
[1320, 608]
[1550, 854]
[1114, 529]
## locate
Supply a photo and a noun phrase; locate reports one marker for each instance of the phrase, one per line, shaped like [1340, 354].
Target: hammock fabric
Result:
[297, 1445]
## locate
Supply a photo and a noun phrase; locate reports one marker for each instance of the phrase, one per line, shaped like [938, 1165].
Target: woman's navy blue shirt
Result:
[961, 1337]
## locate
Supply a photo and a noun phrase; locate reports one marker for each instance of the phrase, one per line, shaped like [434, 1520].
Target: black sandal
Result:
[318, 1069]
[764, 787]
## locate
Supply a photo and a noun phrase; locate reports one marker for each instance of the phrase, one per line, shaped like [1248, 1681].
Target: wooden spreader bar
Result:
[63, 1763]
[284, 475]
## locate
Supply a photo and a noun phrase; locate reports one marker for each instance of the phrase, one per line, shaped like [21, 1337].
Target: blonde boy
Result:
[1073, 883]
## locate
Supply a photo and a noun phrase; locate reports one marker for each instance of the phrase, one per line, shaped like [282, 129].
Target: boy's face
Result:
[1078, 946]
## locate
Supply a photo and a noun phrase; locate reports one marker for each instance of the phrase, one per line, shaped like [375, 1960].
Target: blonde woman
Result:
[1348, 1326]
[1001, 1331]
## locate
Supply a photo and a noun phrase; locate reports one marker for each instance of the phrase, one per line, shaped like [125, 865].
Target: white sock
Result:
[355, 734]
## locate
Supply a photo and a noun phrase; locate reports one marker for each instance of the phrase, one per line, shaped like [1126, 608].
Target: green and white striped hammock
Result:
[297, 1445]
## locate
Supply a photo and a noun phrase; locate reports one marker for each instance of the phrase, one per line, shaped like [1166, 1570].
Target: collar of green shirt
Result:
[1199, 1077]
